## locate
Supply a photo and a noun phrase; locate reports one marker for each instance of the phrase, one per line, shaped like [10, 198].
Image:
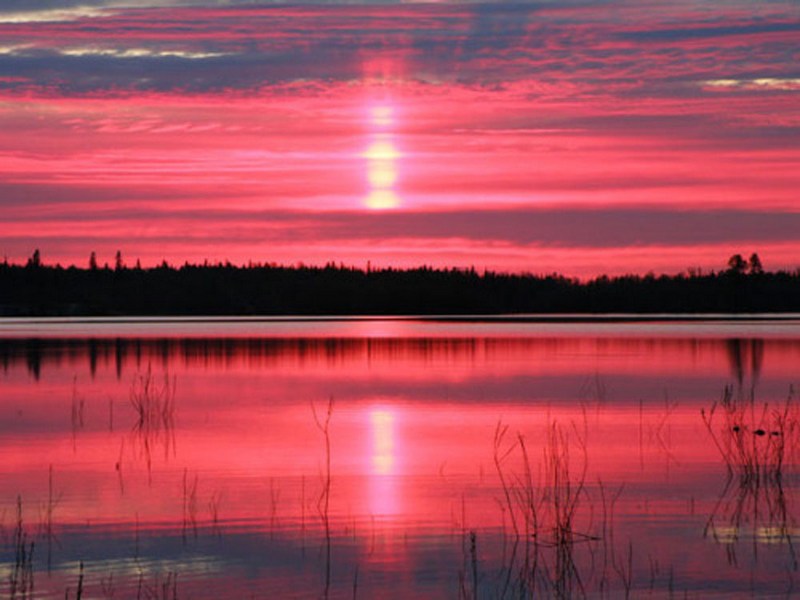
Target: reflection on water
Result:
[423, 465]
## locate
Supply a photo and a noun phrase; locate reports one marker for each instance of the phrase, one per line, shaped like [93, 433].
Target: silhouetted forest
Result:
[224, 289]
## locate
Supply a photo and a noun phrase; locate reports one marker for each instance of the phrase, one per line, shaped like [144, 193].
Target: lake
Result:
[398, 458]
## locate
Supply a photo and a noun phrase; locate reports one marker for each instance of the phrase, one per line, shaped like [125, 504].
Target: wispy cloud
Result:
[762, 83]
[540, 129]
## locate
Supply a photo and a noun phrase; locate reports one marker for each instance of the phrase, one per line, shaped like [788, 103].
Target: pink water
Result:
[220, 489]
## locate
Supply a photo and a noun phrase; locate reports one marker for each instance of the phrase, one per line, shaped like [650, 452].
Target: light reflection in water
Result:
[384, 495]
[382, 439]
[411, 453]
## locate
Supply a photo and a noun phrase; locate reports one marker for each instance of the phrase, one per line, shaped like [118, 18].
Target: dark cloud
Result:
[483, 44]
[568, 228]
[564, 228]
[709, 32]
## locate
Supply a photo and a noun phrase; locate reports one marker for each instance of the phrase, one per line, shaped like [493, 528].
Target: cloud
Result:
[572, 46]
[51, 14]
[761, 83]
[710, 32]
[562, 125]
[567, 228]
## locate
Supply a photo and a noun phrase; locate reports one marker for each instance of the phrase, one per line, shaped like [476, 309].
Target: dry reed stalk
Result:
[154, 406]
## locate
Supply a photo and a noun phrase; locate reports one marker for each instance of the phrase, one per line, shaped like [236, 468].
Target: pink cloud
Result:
[177, 132]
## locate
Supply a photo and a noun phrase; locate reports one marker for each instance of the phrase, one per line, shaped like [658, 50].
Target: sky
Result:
[579, 137]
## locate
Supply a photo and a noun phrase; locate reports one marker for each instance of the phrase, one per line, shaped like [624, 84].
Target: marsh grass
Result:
[153, 403]
[473, 554]
[274, 497]
[468, 573]
[755, 439]
[189, 521]
[47, 510]
[79, 588]
[551, 513]
[758, 443]
[77, 407]
[659, 432]
[161, 587]
[214, 504]
[323, 502]
[20, 580]
[553, 519]
[107, 585]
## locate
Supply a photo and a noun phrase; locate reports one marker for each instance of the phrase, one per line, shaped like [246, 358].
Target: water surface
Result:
[400, 458]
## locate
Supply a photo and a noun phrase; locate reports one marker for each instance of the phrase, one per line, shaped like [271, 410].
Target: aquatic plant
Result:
[76, 412]
[79, 589]
[758, 442]
[20, 580]
[754, 439]
[158, 588]
[213, 509]
[323, 503]
[154, 406]
[552, 516]
[189, 505]
[47, 510]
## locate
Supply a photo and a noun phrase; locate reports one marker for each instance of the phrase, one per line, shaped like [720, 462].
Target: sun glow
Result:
[382, 199]
[382, 175]
[382, 156]
[382, 150]
[382, 116]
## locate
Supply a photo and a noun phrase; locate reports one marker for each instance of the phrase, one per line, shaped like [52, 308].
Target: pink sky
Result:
[543, 137]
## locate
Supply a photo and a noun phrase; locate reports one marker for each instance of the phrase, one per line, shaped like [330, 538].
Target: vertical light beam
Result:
[381, 158]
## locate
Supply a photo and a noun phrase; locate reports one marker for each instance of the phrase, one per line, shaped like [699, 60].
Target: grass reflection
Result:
[557, 537]
[154, 406]
[758, 443]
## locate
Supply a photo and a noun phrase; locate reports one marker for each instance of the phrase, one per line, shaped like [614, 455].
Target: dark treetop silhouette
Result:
[37, 289]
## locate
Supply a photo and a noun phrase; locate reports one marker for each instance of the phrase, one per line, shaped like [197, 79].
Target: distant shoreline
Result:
[269, 291]
[488, 318]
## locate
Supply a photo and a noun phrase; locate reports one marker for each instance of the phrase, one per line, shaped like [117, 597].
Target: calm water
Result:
[391, 458]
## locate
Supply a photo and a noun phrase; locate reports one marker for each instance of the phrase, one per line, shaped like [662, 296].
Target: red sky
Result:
[570, 137]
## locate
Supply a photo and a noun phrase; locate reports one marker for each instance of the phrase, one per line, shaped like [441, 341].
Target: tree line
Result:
[36, 289]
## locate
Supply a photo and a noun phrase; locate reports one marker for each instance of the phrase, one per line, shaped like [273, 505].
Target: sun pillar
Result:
[382, 156]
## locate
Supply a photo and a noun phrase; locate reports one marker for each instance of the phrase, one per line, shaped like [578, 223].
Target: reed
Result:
[553, 518]
[189, 505]
[323, 503]
[79, 589]
[500, 457]
[107, 585]
[274, 497]
[754, 439]
[160, 588]
[469, 568]
[213, 509]
[79, 592]
[21, 577]
[153, 403]
[564, 491]
[46, 528]
[758, 442]
[76, 412]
